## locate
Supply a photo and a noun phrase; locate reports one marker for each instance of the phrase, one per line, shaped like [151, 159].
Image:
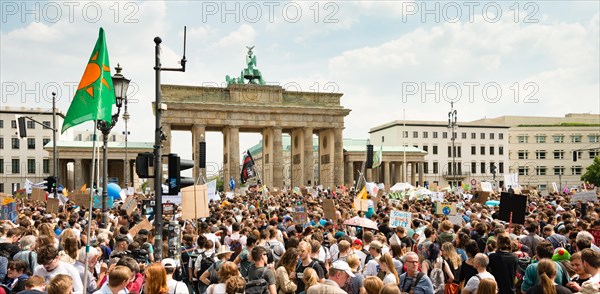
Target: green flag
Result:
[377, 157]
[95, 95]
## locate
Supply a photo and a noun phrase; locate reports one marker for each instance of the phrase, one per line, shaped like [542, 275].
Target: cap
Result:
[169, 262]
[338, 235]
[375, 245]
[341, 265]
[357, 242]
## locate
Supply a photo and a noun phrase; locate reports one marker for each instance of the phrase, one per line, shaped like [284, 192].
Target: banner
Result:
[247, 167]
[212, 191]
[445, 208]
[400, 219]
[585, 196]
[129, 205]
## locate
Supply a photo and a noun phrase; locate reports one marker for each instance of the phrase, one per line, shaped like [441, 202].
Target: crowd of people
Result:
[255, 244]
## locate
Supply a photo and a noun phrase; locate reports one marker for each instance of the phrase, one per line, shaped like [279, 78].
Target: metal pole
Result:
[158, 221]
[105, 133]
[54, 130]
[404, 146]
[126, 118]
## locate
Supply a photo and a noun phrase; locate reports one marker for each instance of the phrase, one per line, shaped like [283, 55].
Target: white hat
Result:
[224, 249]
[169, 262]
[341, 265]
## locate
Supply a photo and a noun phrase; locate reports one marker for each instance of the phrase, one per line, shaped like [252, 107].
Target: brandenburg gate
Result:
[266, 109]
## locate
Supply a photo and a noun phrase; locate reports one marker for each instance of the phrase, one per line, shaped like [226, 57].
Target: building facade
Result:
[480, 150]
[25, 158]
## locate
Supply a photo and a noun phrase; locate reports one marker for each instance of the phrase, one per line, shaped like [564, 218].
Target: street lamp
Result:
[126, 133]
[452, 125]
[120, 84]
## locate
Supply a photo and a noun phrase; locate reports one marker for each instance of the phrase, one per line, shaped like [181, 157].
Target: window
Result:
[30, 124]
[45, 141]
[473, 150]
[492, 150]
[482, 136]
[435, 135]
[454, 135]
[1, 124]
[405, 134]
[435, 149]
[542, 187]
[482, 170]
[522, 154]
[593, 154]
[416, 146]
[425, 148]
[501, 136]
[1, 143]
[444, 135]
[459, 152]
[559, 154]
[31, 166]
[425, 167]
[540, 154]
[13, 124]
[463, 135]
[576, 139]
[425, 135]
[1, 187]
[449, 151]
[523, 171]
[1, 165]
[501, 167]
[16, 166]
[415, 134]
[540, 170]
[522, 139]
[46, 123]
[559, 170]
[491, 136]
[473, 136]
[435, 167]
[16, 144]
[591, 138]
[482, 150]
[382, 139]
[46, 166]
[30, 143]
[540, 138]
[576, 170]
[558, 139]
[473, 167]
[500, 150]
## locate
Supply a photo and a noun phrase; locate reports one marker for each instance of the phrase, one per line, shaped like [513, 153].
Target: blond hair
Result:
[118, 275]
[59, 284]
[310, 277]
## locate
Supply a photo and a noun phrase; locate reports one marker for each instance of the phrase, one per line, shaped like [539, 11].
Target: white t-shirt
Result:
[214, 239]
[473, 282]
[62, 268]
[389, 279]
[216, 289]
[372, 267]
[176, 287]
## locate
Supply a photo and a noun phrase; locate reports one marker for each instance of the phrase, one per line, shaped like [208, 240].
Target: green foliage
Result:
[592, 173]
[220, 184]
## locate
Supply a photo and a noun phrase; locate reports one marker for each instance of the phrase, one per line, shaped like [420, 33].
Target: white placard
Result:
[438, 196]
[555, 187]
[400, 219]
[176, 199]
[511, 180]
[229, 195]
[455, 219]
[130, 191]
[486, 186]
[585, 196]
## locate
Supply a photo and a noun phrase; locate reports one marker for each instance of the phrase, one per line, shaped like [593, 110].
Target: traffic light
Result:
[575, 156]
[22, 126]
[143, 162]
[493, 169]
[50, 184]
[175, 181]
[369, 163]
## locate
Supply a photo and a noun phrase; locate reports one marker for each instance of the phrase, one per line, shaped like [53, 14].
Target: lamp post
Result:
[120, 84]
[126, 133]
[452, 125]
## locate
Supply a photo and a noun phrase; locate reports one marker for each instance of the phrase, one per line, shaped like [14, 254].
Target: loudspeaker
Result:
[369, 163]
[202, 155]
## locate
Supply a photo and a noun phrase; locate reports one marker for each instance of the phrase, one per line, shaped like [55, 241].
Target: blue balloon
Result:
[492, 203]
[113, 190]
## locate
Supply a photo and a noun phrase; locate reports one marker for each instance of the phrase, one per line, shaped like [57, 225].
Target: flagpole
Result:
[404, 147]
[89, 222]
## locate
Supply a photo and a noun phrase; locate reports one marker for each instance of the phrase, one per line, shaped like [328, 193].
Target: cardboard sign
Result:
[361, 205]
[455, 219]
[445, 208]
[300, 218]
[52, 205]
[329, 209]
[144, 224]
[80, 199]
[585, 196]
[480, 197]
[433, 187]
[400, 219]
[515, 204]
[129, 205]
[486, 186]
[38, 195]
[303, 191]
[194, 202]
[596, 234]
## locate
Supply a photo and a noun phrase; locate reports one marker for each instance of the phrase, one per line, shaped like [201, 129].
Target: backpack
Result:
[558, 241]
[523, 262]
[205, 263]
[236, 247]
[369, 256]
[276, 257]
[214, 276]
[415, 281]
[5, 288]
[258, 286]
[436, 275]
[270, 255]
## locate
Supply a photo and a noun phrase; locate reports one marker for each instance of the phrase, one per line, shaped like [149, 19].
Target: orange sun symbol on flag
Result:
[91, 75]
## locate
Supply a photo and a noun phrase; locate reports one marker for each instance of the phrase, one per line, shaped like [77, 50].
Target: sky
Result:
[491, 58]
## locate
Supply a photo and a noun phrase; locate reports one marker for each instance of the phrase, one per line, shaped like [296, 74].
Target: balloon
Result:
[113, 190]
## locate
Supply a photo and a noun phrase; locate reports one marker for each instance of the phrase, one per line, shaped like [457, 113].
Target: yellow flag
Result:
[65, 192]
[83, 188]
[363, 193]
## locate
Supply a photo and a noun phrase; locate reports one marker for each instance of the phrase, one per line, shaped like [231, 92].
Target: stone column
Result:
[78, 174]
[166, 129]
[297, 157]
[226, 159]
[386, 174]
[338, 157]
[277, 158]
[234, 152]
[350, 173]
[421, 174]
[413, 171]
[309, 159]
[198, 135]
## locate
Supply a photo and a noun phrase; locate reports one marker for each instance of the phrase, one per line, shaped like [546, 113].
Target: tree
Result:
[592, 173]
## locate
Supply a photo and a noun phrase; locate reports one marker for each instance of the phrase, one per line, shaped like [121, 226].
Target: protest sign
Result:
[9, 212]
[194, 202]
[585, 196]
[300, 215]
[455, 219]
[168, 208]
[480, 197]
[129, 205]
[52, 205]
[515, 204]
[98, 202]
[433, 187]
[438, 196]
[80, 199]
[361, 205]
[486, 186]
[229, 195]
[38, 195]
[555, 187]
[144, 224]
[148, 206]
[212, 191]
[445, 208]
[596, 234]
[400, 219]
[329, 209]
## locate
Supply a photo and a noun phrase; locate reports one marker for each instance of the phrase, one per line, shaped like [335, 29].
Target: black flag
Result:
[247, 167]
